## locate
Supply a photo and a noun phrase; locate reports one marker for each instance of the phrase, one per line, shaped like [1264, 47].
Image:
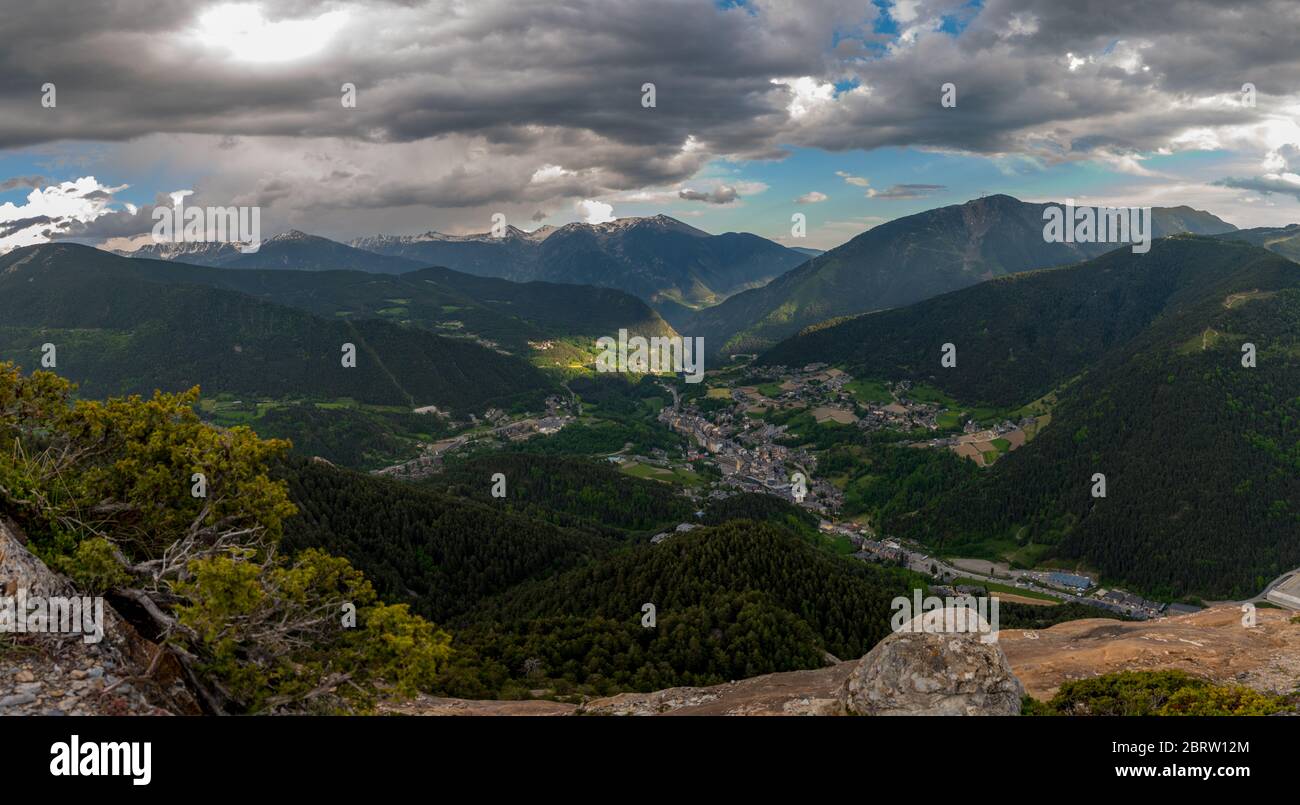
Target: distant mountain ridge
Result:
[906, 260]
[507, 314]
[1283, 240]
[124, 326]
[657, 258]
[292, 250]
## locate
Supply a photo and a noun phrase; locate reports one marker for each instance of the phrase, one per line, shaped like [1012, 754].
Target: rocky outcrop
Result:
[794, 693]
[1219, 644]
[927, 670]
[905, 673]
[62, 674]
[1214, 644]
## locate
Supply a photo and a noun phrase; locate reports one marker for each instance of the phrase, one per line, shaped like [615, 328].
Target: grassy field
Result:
[948, 420]
[770, 389]
[1032, 430]
[924, 392]
[674, 475]
[989, 416]
[1028, 556]
[840, 544]
[869, 391]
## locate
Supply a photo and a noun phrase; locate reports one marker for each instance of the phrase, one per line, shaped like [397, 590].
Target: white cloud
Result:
[813, 197]
[595, 212]
[856, 181]
[242, 32]
[807, 94]
[52, 209]
[549, 173]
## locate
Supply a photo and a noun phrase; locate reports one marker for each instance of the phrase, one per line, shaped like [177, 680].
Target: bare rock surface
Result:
[61, 674]
[1213, 644]
[424, 705]
[933, 672]
[785, 694]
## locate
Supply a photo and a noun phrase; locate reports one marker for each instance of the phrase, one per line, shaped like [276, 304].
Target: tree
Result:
[107, 492]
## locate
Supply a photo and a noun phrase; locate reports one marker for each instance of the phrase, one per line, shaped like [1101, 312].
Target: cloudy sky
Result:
[536, 110]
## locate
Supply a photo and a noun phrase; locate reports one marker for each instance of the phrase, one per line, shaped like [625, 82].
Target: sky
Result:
[540, 112]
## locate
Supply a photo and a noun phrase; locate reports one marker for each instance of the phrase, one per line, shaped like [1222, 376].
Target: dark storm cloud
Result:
[118, 223]
[22, 181]
[10, 227]
[1139, 70]
[496, 70]
[1262, 184]
[560, 82]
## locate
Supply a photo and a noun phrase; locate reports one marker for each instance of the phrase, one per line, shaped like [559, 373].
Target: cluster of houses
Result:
[680, 529]
[905, 416]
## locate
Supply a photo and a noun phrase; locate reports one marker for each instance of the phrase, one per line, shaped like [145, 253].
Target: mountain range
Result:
[657, 258]
[906, 260]
[674, 266]
[291, 250]
[1140, 361]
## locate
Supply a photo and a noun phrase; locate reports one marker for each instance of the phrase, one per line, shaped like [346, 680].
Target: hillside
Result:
[1020, 336]
[119, 329]
[842, 605]
[657, 258]
[440, 553]
[555, 308]
[566, 491]
[1285, 240]
[492, 311]
[733, 600]
[1198, 451]
[907, 260]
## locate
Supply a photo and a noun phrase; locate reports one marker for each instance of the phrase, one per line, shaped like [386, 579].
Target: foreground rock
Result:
[794, 693]
[439, 706]
[926, 671]
[61, 674]
[1213, 644]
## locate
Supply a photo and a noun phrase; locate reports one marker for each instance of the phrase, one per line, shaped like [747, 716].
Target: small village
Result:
[752, 458]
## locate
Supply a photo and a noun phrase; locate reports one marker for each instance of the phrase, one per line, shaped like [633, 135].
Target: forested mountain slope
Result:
[118, 329]
[907, 260]
[1199, 453]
